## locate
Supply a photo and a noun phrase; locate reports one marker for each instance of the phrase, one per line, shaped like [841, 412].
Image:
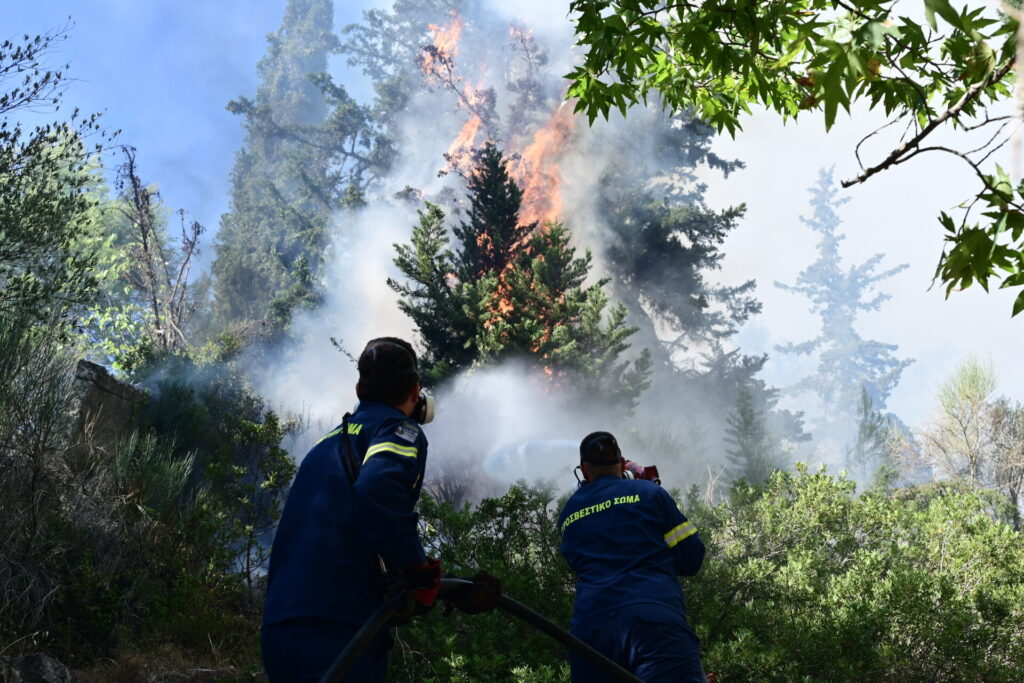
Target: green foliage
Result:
[512, 291]
[310, 150]
[755, 450]
[44, 199]
[210, 410]
[716, 389]
[664, 248]
[805, 581]
[33, 422]
[991, 250]
[869, 459]
[516, 538]
[278, 217]
[433, 302]
[974, 436]
[490, 240]
[957, 442]
[103, 547]
[1007, 419]
[156, 478]
[718, 59]
[662, 254]
[552, 316]
[146, 299]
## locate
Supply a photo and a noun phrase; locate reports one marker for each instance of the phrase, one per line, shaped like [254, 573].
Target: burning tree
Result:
[509, 290]
[652, 234]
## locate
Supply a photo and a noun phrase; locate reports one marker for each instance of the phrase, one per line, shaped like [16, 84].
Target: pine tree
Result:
[753, 456]
[492, 236]
[435, 300]
[869, 456]
[543, 311]
[512, 291]
[847, 363]
[665, 243]
[276, 218]
[310, 150]
[666, 246]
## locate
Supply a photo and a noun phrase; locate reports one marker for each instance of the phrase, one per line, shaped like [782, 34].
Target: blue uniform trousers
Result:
[654, 643]
[301, 650]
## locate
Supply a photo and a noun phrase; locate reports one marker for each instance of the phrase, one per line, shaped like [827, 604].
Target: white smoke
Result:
[499, 423]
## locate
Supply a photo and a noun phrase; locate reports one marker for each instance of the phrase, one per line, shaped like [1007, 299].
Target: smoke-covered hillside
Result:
[416, 169]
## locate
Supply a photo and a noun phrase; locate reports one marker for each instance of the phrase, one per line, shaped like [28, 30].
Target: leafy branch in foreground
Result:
[44, 178]
[952, 69]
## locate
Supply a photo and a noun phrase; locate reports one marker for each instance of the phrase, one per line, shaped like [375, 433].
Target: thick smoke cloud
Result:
[498, 424]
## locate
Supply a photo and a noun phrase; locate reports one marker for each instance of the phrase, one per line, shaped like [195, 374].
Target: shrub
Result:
[805, 580]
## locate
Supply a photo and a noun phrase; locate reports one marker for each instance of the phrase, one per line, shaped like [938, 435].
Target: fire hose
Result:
[391, 606]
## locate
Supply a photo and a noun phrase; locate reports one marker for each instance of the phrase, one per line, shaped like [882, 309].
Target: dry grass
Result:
[167, 664]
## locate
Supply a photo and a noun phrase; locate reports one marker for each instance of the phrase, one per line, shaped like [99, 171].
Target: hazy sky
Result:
[163, 72]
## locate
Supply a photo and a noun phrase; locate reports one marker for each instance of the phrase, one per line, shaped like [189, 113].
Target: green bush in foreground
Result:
[514, 537]
[803, 581]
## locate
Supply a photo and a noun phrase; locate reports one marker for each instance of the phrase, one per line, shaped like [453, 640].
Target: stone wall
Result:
[103, 407]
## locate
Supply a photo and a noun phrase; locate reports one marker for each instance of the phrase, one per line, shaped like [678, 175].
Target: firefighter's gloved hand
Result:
[481, 595]
[424, 581]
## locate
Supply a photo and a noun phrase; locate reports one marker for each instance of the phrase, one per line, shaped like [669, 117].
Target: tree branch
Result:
[900, 154]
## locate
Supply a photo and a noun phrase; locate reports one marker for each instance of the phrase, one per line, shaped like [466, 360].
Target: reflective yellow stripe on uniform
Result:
[684, 530]
[353, 428]
[329, 435]
[390, 447]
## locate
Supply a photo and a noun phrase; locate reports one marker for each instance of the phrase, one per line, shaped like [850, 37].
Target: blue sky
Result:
[162, 72]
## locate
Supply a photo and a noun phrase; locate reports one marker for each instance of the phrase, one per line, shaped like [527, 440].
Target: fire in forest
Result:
[536, 168]
[534, 154]
[445, 46]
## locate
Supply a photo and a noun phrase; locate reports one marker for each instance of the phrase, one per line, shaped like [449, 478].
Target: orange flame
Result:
[463, 142]
[445, 45]
[447, 38]
[462, 146]
[534, 167]
[537, 169]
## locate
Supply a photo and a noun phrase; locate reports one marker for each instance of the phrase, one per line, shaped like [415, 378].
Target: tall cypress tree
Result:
[847, 364]
[274, 232]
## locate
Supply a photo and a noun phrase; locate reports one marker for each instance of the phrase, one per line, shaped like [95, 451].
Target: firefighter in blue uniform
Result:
[627, 542]
[348, 520]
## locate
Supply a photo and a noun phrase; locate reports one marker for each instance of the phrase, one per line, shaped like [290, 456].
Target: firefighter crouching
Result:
[350, 518]
[627, 542]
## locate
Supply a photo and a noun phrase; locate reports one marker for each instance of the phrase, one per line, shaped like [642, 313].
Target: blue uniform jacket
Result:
[627, 541]
[324, 561]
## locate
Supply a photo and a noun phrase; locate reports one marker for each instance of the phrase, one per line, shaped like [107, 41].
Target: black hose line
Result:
[515, 608]
[364, 637]
[521, 611]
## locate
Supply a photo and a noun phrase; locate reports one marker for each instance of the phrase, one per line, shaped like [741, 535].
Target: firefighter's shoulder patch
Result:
[408, 431]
